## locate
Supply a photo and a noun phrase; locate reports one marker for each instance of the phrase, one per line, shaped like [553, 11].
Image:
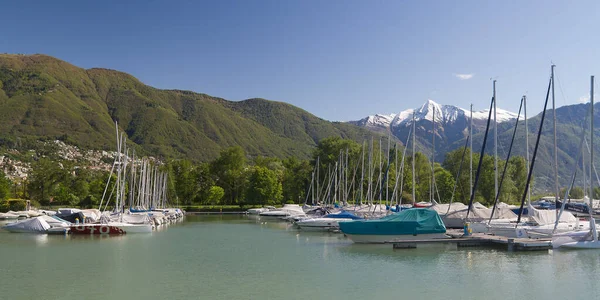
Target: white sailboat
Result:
[593, 232]
[541, 223]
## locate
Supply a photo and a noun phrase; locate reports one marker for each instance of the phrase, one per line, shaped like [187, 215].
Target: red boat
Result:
[96, 229]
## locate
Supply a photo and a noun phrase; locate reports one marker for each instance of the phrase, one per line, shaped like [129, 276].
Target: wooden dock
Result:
[479, 240]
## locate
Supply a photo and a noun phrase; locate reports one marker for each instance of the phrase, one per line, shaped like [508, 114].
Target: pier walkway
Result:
[478, 240]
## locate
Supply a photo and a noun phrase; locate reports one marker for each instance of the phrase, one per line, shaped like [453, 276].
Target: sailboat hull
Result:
[582, 245]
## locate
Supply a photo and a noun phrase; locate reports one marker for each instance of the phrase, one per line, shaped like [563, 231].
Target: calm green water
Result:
[236, 257]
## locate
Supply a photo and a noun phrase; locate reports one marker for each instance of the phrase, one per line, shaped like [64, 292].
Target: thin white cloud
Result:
[464, 76]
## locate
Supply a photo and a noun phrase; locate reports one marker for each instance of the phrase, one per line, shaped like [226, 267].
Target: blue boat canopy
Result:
[408, 222]
[343, 215]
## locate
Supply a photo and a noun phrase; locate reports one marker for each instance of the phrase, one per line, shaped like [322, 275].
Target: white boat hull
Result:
[8, 216]
[380, 239]
[320, 224]
[582, 245]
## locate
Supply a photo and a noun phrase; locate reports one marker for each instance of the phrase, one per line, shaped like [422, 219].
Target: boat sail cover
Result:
[343, 215]
[456, 216]
[546, 217]
[408, 222]
[34, 225]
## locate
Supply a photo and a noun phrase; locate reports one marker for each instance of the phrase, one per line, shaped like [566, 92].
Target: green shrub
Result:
[13, 204]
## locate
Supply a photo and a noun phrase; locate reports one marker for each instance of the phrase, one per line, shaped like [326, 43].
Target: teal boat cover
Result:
[407, 222]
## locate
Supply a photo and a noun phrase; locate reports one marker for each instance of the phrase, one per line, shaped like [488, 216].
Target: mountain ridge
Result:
[42, 97]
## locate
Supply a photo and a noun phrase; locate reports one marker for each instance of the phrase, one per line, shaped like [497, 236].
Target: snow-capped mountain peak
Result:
[377, 120]
[444, 115]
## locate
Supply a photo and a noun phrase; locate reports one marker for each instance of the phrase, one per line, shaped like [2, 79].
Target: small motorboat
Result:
[256, 211]
[286, 211]
[327, 222]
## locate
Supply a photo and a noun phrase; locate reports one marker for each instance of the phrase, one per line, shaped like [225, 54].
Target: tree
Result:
[330, 149]
[575, 193]
[296, 179]
[204, 183]
[96, 188]
[229, 171]
[444, 182]
[62, 195]
[45, 177]
[264, 187]
[215, 194]
[452, 163]
[4, 186]
[518, 173]
[184, 180]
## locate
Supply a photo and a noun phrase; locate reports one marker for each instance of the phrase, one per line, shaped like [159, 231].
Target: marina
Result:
[299, 150]
[237, 256]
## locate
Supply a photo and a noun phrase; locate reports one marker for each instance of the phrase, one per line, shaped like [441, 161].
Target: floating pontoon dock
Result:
[479, 240]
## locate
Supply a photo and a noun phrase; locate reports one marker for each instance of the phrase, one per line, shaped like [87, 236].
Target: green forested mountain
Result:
[42, 97]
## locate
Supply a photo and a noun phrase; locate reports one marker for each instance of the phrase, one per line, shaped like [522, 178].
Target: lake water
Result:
[238, 257]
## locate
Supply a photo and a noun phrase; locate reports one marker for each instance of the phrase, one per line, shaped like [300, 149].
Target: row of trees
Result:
[54, 182]
[234, 179]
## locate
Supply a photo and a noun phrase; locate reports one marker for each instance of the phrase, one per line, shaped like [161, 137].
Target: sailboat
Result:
[593, 232]
[540, 223]
[113, 224]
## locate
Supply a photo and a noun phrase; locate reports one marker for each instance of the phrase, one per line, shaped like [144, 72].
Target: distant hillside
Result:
[42, 97]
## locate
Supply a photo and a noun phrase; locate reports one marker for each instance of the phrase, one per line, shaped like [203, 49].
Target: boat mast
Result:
[318, 179]
[397, 168]
[592, 222]
[485, 136]
[556, 191]
[471, 149]
[585, 189]
[362, 173]
[535, 148]
[387, 180]
[495, 143]
[526, 145]
[512, 141]
[413, 159]
[370, 185]
[431, 185]
[379, 178]
[402, 169]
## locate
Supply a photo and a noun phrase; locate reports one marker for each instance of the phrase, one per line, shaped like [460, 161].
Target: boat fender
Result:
[467, 229]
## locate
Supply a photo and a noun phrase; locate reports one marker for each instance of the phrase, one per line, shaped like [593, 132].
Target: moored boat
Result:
[326, 223]
[411, 224]
[256, 211]
[110, 228]
[286, 211]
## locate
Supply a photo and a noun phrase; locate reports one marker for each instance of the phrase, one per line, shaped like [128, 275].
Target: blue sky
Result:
[340, 60]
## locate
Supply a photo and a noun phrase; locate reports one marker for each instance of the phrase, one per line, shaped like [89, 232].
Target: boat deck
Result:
[479, 240]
